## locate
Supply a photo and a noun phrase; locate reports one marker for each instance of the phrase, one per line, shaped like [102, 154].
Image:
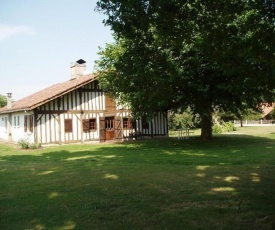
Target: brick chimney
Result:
[77, 69]
[9, 100]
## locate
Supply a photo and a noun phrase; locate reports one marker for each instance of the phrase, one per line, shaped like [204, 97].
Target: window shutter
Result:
[102, 129]
[68, 125]
[31, 124]
[86, 125]
[118, 130]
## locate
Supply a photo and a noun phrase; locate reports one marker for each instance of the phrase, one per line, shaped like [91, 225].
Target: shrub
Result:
[34, 145]
[217, 129]
[229, 127]
[23, 143]
[27, 144]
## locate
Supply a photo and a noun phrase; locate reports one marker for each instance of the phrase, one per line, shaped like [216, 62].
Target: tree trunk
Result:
[206, 126]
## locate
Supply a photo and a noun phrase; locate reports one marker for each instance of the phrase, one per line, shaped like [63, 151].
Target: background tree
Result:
[205, 55]
[183, 119]
[3, 101]
[247, 114]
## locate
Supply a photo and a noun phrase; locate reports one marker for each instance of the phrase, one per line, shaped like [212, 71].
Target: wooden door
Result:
[109, 128]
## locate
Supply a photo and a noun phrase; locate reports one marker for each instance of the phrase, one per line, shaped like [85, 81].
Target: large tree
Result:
[201, 54]
[3, 101]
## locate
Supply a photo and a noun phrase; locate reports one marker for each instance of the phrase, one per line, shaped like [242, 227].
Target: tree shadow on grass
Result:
[226, 183]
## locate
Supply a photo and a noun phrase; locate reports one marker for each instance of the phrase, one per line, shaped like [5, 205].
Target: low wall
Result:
[255, 122]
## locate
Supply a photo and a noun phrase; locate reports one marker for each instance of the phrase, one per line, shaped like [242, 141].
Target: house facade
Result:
[77, 110]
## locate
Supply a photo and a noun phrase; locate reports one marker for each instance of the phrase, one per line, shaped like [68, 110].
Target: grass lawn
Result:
[226, 183]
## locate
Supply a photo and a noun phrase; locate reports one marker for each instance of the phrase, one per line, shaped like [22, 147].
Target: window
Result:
[128, 123]
[68, 123]
[16, 121]
[93, 124]
[28, 123]
[109, 123]
[89, 125]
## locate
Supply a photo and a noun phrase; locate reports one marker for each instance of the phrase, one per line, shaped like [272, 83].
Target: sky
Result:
[39, 39]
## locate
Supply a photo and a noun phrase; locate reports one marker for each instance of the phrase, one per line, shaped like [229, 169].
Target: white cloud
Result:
[7, 31]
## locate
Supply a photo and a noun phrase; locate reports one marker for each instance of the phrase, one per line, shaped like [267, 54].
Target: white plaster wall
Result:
[17, 128]
[3, 131]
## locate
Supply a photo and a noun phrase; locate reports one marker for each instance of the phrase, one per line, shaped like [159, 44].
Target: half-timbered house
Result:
[77, 110]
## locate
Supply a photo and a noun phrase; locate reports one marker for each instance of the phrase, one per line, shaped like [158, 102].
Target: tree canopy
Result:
[203, 55]
[3, 101]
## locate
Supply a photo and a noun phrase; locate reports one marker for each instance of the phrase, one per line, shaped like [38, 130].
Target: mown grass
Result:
[227, 183]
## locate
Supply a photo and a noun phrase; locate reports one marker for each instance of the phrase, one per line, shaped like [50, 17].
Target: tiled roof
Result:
[48, 94]
[267, 108]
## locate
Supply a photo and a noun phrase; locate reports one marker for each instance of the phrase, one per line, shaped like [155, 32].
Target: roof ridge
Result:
[49, 93]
